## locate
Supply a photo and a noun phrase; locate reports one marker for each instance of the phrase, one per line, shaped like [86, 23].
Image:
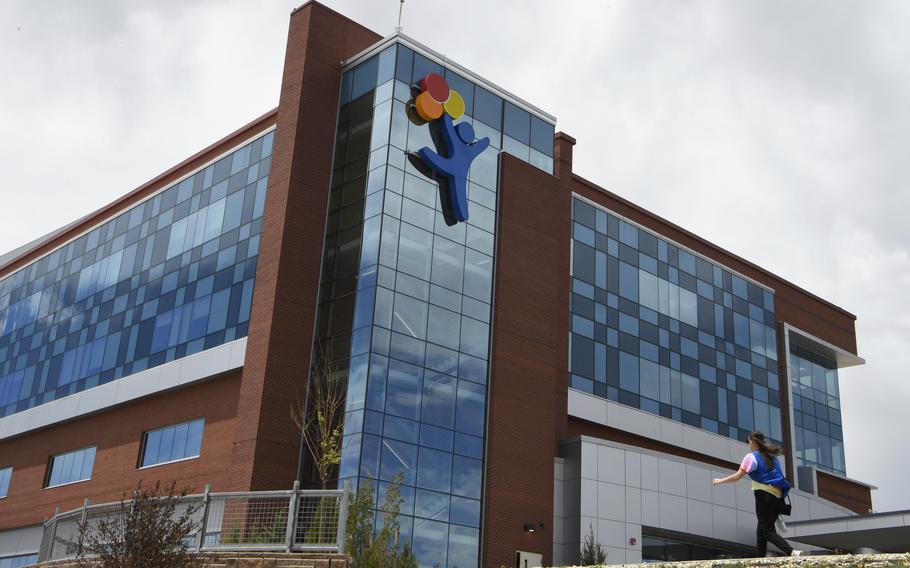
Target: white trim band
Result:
[608, 413]
[197, 367]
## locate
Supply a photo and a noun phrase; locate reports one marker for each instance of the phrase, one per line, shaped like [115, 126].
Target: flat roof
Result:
[886, 532]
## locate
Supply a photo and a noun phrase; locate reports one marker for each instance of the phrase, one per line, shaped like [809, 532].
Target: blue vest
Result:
[772, 476]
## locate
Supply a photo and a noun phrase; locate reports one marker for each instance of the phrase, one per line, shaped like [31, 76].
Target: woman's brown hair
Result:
[767, 449]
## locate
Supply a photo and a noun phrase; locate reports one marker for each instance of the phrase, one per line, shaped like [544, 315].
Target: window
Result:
[17, 561]
[5, 475]
[676, 327]
[71, 467]
[206, 226]
[172, 443]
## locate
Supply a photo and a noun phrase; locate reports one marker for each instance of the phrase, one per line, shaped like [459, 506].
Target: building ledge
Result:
[175, 374]
[808, 341]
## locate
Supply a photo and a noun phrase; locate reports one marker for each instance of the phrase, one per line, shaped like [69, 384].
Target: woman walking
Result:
[769, 486]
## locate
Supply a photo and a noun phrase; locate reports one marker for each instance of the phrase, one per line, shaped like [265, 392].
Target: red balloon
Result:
[437, 86]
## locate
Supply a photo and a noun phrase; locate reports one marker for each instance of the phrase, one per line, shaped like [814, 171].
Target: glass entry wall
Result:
[405, 299]
[816, 411]
[661, 329]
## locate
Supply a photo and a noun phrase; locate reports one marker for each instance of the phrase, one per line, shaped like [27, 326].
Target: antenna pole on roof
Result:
[400, 9]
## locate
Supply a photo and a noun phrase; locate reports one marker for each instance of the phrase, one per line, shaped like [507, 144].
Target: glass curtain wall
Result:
[660, 329]
[166, 278]
[405, 300]
[816, 411]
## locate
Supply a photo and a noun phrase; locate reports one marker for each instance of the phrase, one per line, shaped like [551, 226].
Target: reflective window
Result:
[5, 475]
[71, 467]
[816, 411]
[658, 328]
[516, 123]
[405, 302]
[542, 134]
[168, 277]
[172, 443]
[487, 107]
[18, 561]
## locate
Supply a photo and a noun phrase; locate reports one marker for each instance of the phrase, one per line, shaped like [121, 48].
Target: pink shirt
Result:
[748, 464]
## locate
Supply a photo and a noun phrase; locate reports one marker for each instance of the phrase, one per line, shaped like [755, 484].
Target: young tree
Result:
[376, 549]
[592, 553]
[153, 529]
[320, 414]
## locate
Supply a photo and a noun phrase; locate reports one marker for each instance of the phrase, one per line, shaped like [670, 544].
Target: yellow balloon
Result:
[455, 105]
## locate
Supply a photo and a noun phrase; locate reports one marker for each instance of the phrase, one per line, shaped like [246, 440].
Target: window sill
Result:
[167, 463]
[67, 483]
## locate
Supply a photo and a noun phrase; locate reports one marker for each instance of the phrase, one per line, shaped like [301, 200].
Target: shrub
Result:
[146, 532]
[592, 552]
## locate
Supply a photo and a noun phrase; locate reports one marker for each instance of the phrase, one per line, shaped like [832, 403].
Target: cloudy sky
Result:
[779, 130]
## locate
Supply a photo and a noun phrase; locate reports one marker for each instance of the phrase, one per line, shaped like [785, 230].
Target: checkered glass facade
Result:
[166, 278]
[664, 330]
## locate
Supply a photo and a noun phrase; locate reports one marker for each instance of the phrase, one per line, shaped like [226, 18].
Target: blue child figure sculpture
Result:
[460, 149]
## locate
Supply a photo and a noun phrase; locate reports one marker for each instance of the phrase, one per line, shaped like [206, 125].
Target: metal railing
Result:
[295, 520]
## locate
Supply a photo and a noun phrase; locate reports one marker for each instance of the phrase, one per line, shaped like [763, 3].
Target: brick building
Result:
[560, 361]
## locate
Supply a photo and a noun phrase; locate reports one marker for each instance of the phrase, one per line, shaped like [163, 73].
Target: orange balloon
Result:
[427, 107]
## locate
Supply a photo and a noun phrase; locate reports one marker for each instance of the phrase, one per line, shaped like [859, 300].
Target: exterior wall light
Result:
[531, 527]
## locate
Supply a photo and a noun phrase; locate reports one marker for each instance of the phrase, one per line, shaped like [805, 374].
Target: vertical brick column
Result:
[528, 383]
[562, 155]
[266, 442]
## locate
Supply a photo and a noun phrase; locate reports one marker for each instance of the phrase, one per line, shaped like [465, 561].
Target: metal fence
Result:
[295, 520]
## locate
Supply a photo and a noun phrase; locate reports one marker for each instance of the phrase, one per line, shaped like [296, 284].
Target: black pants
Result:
[767, 509]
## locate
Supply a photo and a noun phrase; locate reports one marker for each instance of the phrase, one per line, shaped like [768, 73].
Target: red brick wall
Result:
[266, 443]
[527, 398]
[117, 433]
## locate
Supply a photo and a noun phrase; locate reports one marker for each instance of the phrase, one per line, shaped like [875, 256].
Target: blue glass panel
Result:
[365, 78]
[71, 467]
[464, 544]
[517, 123]
[434, 470]
[667, 311]
[90, 286]
[542, 134]
[5, 476]
[152, 447]
[403, 65]
[466, 476]
[430, 541]
[469, 415]
[439, 400]
[398, 459]
[432, 505]
[487, 108]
